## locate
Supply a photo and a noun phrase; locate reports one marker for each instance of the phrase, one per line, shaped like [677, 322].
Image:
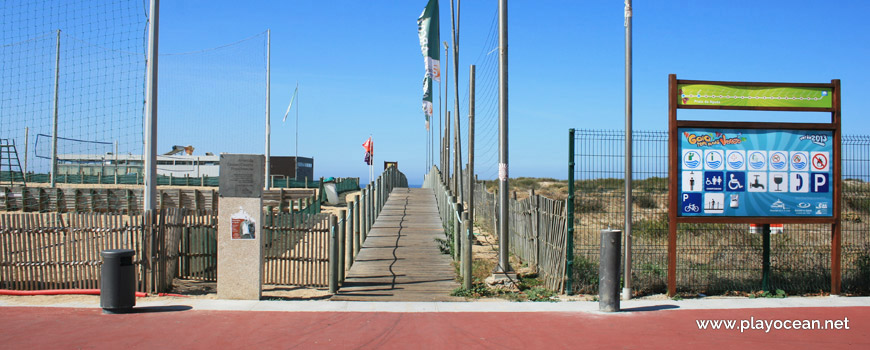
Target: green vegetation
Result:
[651, 228]
[530, 288]
[645, 200]
[583, 205]
[779, 294]
[585, 272]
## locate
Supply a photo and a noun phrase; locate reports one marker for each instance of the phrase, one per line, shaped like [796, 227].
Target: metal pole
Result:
[503, 234]
[569, 254]
[54, 122]
[26, 137]
[765, 256]
[268, 109]
[470, 219]
[457, 150]
[440, 113]
[150, 155]
[447, 153]
[296, 171]
[115, 168]
[445, 146]
[626, 290]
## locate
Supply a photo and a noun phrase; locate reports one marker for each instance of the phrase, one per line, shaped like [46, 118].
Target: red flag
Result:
[370, 150]
[369, 145]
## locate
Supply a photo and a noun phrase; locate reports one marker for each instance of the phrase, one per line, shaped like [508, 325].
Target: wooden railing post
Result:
[342, 216]
[357, 217]
[466, 252]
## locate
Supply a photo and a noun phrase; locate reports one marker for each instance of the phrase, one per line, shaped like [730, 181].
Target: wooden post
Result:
[836, 237]
[673, 173]
[466, 253]
[356, 225]
[342, 215]
[535, 202]
[348, 250]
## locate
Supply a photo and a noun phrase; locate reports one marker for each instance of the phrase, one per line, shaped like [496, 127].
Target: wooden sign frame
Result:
[675, 124]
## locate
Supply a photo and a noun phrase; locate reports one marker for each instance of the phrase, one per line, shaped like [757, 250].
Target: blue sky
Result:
[360, 69]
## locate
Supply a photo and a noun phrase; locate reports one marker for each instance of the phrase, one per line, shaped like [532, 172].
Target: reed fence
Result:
[538, 231]
[62, 251]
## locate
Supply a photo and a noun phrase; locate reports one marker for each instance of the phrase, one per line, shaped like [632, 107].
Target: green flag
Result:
[428, 30]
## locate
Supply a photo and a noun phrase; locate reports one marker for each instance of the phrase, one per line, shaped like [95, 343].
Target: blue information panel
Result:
[732, 172]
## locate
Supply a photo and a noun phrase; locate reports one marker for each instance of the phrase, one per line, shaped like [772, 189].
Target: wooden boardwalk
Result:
[400, 259]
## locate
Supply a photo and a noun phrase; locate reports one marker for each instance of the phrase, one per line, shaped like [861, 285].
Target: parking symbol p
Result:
[820, 182]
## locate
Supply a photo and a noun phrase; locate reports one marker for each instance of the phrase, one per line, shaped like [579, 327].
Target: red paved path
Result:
[41, 328]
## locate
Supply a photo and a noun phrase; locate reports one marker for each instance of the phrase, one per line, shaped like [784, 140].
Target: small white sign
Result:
[757, 160]
[714, 159]
[735, 160]
[693, 181]
[692, 159]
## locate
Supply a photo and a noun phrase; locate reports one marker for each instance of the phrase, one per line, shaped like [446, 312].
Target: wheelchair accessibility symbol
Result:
[736, 181]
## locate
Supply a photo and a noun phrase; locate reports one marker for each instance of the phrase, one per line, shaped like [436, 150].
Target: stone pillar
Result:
[240, 224]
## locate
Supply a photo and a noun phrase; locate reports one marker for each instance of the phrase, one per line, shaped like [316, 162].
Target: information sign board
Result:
[752, 172]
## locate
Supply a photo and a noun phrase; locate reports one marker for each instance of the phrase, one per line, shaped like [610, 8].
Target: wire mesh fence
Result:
[711, 258]
[81, 61]
[222, 86]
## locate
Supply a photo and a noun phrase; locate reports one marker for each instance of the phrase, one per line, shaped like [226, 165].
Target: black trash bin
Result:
[118, 281]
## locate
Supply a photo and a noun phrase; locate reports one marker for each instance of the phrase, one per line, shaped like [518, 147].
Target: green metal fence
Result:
[136, 179]
[711, 258]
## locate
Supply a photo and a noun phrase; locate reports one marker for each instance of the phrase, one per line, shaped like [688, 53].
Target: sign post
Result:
[240, 248]
[754, 172]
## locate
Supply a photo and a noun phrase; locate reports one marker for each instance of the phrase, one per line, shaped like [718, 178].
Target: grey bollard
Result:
[608, 271]
[117, 281]
[333, 254]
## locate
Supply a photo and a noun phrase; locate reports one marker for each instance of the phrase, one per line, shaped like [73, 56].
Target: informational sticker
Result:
[243, 225]
[750, 172]
[502, 171]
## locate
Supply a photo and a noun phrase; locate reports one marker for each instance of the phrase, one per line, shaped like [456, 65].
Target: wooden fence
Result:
[197, 255]
[62, 251]
[296, 249]
[538, 231]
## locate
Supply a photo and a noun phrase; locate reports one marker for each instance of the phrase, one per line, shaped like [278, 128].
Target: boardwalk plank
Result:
[400, 260]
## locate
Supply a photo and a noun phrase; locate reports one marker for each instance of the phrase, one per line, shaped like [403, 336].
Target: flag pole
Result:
[268, 109]
[296, 160]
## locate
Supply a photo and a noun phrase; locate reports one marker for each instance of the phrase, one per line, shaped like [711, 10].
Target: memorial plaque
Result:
[241, 175]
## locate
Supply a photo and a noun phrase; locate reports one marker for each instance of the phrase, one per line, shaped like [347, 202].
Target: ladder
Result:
[10, 166]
